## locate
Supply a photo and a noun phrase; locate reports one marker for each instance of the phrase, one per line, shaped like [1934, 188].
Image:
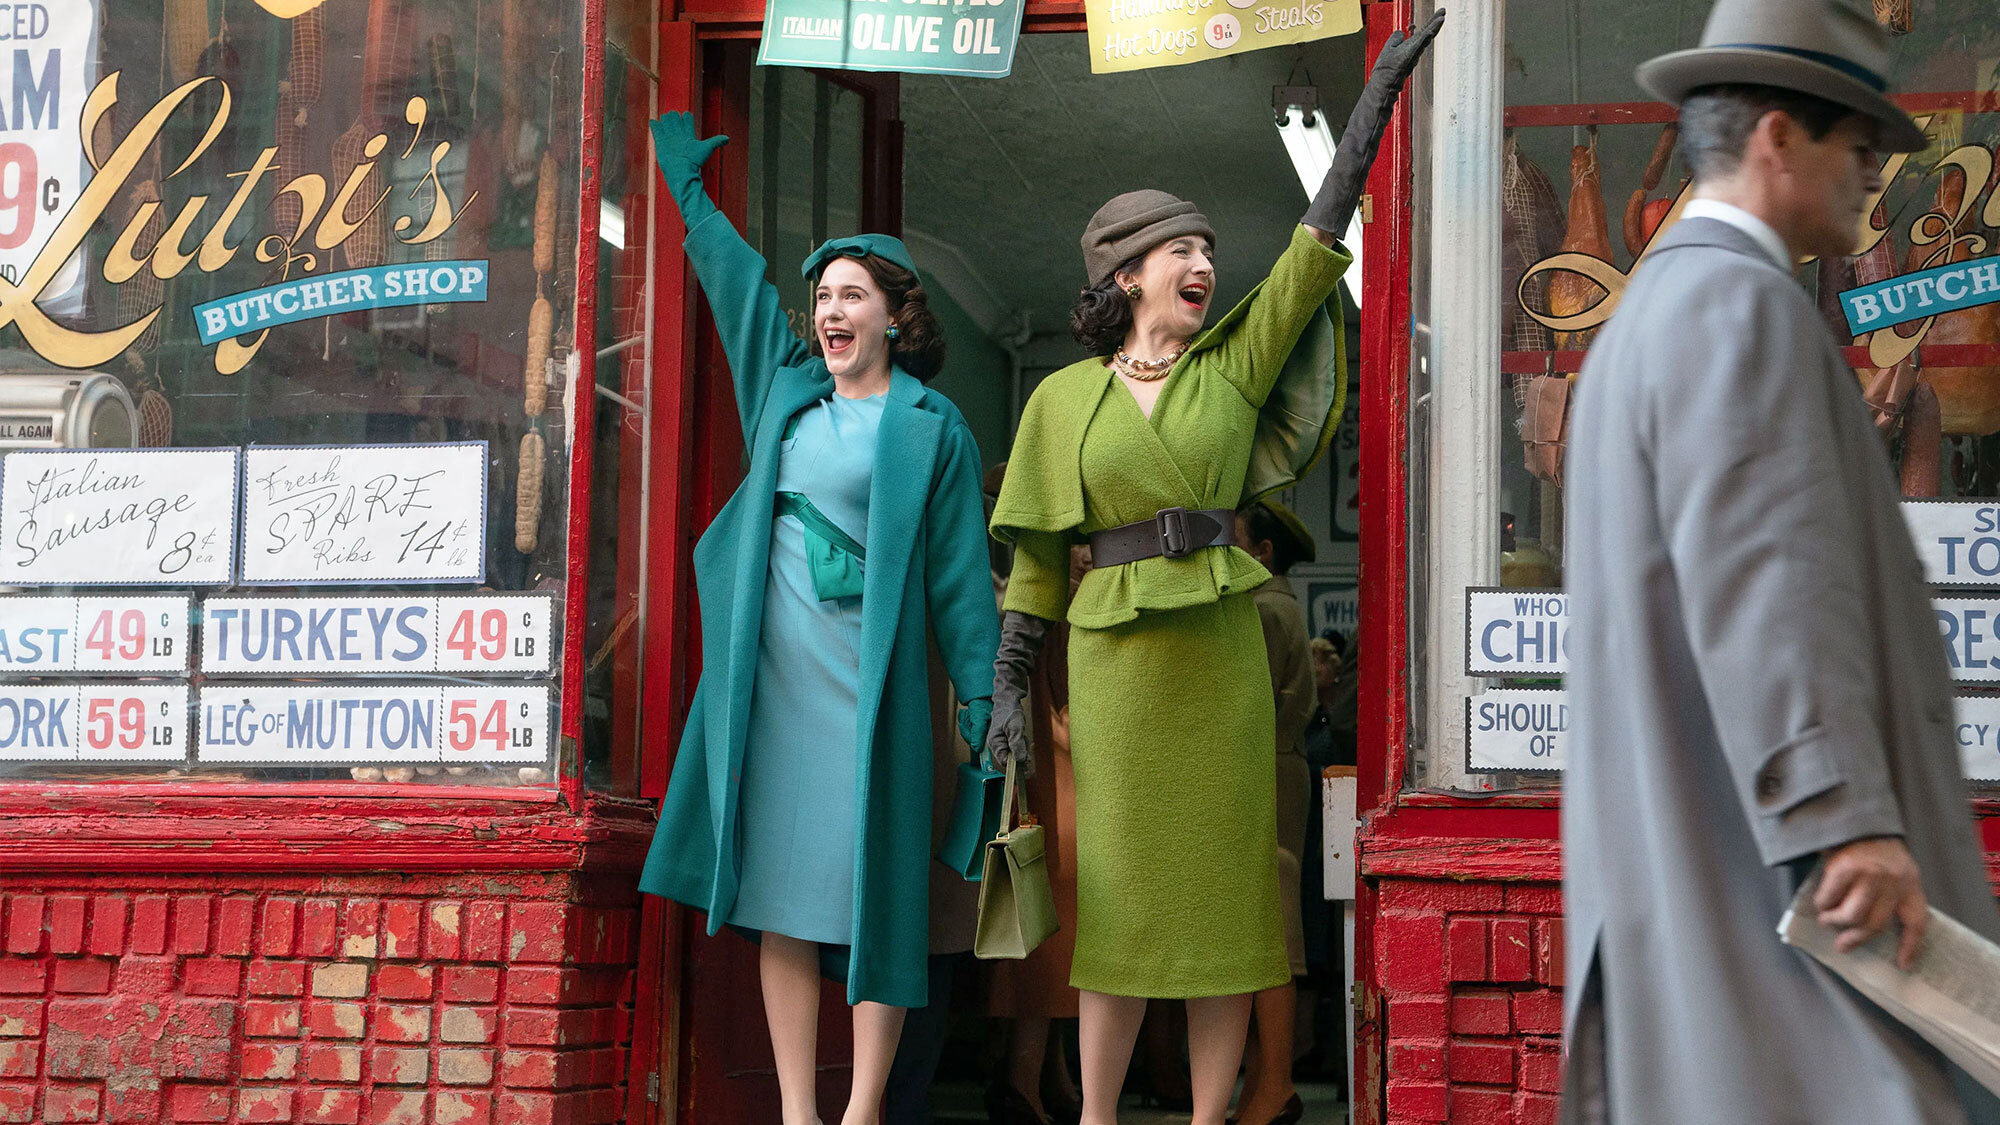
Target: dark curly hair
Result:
[919, 344]
[1102, 314]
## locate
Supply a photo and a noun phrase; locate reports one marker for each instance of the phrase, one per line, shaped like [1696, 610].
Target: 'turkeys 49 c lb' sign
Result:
[324, 208]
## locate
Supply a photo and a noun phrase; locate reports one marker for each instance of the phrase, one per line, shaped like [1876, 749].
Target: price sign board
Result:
[373, 724]
[53, 55]
[461, 634]
[117, 517]
[1958, 541]
[142, 634]
[1516, 730]
[1516, 632]
[364, 513]
[93, 722]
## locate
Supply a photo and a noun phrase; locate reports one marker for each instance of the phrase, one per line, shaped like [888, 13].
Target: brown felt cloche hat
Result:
[1134, 223]
[1831, 49]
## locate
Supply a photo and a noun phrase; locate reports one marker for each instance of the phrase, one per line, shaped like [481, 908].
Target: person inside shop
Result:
[1761, 704]
[857, 530]
[1276, 537]
[1032, 997]
[1143, 450]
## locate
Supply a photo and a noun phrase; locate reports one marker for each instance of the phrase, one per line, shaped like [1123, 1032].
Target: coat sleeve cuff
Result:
[1818, 792]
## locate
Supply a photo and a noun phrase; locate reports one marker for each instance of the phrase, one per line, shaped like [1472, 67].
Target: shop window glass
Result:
[805, 174]
[1589, 167]
[623, 558]
[227, 147]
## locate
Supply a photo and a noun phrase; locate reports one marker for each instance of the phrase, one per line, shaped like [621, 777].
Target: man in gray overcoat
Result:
[1759, 684]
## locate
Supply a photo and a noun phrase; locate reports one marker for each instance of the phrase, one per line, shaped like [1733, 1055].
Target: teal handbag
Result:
[833, 557]
[975, 818]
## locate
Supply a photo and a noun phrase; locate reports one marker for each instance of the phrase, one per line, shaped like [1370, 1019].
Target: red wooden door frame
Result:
[698, 1037]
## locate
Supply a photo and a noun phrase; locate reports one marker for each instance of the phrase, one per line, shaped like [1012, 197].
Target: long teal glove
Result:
[973, 720]
[681, 154]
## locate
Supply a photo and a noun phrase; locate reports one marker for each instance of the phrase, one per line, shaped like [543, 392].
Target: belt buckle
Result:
[1173, 531]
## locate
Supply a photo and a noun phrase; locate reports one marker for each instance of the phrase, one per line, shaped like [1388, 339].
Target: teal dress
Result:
[796, 831]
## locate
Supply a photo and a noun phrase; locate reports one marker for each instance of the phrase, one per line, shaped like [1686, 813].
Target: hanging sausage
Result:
[369, 244]
[304, 80]
[447, 97]
[185, 26]
[1643, 218]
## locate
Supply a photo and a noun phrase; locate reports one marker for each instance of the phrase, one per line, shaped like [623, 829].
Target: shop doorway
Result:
[990, 182]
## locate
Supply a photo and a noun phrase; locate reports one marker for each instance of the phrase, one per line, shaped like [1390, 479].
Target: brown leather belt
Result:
[1173, 533]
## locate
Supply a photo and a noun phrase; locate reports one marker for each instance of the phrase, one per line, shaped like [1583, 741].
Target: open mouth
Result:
[1195, 295]
[836, 341]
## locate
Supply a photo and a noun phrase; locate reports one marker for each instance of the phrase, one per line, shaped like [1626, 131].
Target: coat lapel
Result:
[1141, 435]
[907, 447]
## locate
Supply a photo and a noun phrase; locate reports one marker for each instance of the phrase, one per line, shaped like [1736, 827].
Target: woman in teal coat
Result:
[800, 804]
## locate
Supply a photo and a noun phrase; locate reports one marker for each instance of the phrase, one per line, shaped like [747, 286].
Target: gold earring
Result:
[1133, 291]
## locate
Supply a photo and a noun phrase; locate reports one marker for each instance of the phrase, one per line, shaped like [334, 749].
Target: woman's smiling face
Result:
[851, 319]
[1176, 281]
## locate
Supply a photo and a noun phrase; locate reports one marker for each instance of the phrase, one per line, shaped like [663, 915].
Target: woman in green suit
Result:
[1145, 451]
[800, 804]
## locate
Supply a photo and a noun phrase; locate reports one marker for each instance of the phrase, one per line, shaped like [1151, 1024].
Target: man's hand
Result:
[1866, 883]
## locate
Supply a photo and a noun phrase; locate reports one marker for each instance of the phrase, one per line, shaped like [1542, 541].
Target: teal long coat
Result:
[926, 569]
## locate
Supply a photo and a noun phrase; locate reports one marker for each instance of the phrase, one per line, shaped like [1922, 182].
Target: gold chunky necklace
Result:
[1147, 370]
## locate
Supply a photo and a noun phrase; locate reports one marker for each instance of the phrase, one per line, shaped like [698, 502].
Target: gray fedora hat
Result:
[1832, 49]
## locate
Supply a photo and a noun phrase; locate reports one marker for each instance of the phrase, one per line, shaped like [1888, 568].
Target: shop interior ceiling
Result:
[1001, 176]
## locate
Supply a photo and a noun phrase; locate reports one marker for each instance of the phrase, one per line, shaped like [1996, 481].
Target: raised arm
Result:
[756, 337]
[1340, 192]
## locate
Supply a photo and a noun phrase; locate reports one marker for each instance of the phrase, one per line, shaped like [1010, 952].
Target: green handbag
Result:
[976, 812]
[1017, 908]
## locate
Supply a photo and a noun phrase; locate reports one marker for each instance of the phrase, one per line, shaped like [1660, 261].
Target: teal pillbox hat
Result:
[886, 247]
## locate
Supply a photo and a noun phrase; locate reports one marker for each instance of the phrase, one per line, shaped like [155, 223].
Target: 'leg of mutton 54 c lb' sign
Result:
[966, 38]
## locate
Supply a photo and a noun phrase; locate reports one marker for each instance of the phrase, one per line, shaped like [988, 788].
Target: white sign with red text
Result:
[357, 724]
[52, 60]
[145, 634]
[459, 634]
[93, 722]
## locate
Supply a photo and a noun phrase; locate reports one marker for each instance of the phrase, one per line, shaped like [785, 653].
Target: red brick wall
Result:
[458, 1000]
[1471, 979]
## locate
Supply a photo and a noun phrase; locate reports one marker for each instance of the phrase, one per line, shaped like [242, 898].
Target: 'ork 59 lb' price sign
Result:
[93, 722]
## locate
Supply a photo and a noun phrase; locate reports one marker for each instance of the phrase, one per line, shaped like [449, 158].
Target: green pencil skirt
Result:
[1171, 727]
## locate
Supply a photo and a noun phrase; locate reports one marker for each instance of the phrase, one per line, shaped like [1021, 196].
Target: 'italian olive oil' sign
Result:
[966, 38]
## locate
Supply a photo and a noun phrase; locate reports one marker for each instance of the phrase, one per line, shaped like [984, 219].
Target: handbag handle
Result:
[1010, 796]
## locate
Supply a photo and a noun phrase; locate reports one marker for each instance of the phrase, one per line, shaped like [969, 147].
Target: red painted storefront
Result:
[331, 951]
